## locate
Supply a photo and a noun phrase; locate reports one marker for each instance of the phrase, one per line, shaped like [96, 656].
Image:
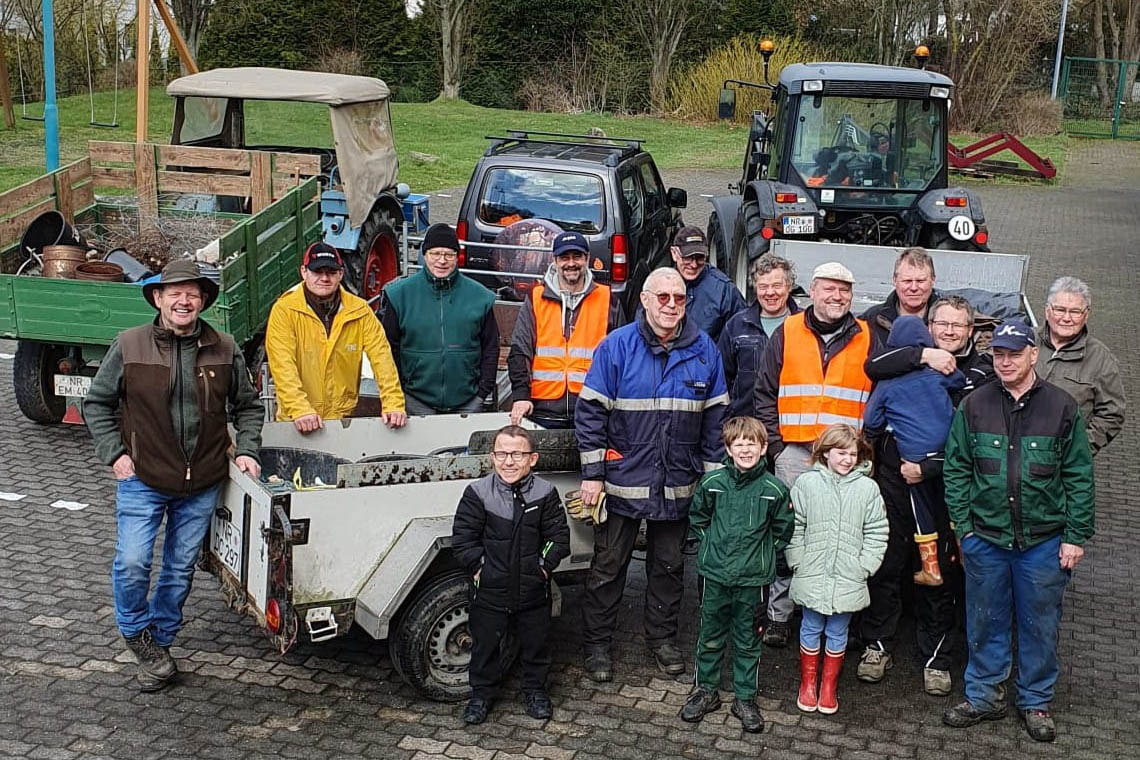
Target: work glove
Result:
[594, 515]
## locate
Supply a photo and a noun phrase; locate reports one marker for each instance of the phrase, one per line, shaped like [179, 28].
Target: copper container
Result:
[102, 271]
[60, 261]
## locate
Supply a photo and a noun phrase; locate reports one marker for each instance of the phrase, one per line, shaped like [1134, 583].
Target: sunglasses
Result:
[663, 298]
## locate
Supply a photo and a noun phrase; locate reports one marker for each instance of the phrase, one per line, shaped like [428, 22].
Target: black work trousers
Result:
[936, 608]
[605, 584]
[488, 629]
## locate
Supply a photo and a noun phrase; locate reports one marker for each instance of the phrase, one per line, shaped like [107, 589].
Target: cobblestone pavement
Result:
[66, 687]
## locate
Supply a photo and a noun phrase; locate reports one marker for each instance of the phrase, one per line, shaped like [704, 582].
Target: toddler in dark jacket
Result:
[510, 533]
[916, 407]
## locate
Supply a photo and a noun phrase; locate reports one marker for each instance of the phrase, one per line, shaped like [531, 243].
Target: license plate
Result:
[72, 385]
[799, 225]
[226, 544]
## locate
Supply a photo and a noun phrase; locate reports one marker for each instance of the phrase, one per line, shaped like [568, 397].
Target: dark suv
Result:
[608, 189]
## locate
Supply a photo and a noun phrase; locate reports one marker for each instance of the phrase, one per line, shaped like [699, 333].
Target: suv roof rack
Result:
[623, 146]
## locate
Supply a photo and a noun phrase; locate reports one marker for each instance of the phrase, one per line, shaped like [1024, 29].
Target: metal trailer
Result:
[371, 548]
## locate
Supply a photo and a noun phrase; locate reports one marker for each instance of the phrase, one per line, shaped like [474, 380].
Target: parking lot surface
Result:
[66, 688]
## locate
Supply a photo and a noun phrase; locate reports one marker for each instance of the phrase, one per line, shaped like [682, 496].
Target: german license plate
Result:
[226, 544]
[799, 225]
[72, 385]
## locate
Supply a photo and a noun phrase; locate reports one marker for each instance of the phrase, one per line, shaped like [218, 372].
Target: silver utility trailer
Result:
[352, 524]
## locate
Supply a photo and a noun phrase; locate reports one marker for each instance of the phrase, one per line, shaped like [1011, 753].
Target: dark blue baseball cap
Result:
[570, 241]
[1013, 334]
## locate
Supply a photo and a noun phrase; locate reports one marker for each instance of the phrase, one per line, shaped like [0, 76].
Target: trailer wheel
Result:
[32, 372]
[430, 644]
[375, 262]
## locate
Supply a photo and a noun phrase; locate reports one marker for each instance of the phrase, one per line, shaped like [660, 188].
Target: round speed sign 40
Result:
[961, 227]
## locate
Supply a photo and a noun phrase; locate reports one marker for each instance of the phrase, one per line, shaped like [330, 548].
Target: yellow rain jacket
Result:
[320, 374]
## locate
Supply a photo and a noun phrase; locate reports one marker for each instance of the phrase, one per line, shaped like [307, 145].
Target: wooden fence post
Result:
[260, 179]
[146, 184]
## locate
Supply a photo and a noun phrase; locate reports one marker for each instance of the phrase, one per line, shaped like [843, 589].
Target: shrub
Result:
[1031, 114]
[340, 60]
[694, 92]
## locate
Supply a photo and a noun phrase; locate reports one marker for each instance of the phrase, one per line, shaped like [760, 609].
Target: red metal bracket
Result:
[976, 153]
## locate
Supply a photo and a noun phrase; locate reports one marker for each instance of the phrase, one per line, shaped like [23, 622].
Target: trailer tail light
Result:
[956, 202]
[785, 197]
[981, 237]
[619, 266]
[273, 616]
[461, 233]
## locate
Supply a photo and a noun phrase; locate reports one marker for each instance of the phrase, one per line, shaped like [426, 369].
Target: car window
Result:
[634, 202]
[571, 200]
[202, 118]
[654, 192]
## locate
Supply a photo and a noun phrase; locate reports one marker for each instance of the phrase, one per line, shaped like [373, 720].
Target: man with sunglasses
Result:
[442, 330]
[648, 427]
[712, 297]
[558, 328]
[1078, 363]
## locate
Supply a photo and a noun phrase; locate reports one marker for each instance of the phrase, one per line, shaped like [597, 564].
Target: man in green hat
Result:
[157, 413]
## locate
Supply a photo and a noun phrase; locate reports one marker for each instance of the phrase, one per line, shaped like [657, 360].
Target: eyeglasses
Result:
[445, 255]
[514, 456]
[696, 258]
[1061, 311]
[663, 298]
[943, 325]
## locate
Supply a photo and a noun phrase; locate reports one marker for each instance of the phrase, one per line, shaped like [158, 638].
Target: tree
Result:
[191, 17]
[454, 18]
[1121, 43]
[661, 24]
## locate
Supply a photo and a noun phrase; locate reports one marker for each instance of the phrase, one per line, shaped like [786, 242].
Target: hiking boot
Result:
[749, 714]
[538, 705]
[873, 665]
[669, 658]
[699, 704]
[599, 667]
[476, 710]
[156, 666]
[965, 714]
[936, 682]
[776, 634]
[1039, 725]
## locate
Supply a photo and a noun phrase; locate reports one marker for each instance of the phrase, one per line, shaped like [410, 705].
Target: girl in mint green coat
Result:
[839, 540]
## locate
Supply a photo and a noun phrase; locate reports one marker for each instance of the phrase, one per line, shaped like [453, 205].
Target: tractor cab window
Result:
[868, 144]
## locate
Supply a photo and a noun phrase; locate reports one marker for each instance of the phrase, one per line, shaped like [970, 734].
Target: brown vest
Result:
[148, 385]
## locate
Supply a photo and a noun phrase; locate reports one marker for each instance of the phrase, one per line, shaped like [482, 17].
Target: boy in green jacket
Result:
[741, 514]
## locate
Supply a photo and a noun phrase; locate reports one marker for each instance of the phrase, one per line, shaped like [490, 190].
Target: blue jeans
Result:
[139, 512]
[816, 625]
[1001, 583]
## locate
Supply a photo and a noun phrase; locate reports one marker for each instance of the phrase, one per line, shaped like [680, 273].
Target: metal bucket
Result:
[133, 269]
[100, 271]
[47, 229]
[60, 261]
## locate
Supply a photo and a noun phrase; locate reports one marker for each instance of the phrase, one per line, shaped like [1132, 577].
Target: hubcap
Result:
[449, 647]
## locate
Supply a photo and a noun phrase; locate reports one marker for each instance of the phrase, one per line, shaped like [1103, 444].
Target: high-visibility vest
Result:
[561, 365]
[809, 400]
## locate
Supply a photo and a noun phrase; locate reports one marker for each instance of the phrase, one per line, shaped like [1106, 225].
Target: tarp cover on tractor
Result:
[365, 154]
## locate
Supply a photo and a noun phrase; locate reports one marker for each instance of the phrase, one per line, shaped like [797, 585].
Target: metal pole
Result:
[1060, 46]
[51, 112]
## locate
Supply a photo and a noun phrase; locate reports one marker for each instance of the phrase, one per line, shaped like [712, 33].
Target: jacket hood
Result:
[909, 331]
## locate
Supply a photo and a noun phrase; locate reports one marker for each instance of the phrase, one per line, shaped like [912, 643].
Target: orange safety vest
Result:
[809, 401]
[561, 365]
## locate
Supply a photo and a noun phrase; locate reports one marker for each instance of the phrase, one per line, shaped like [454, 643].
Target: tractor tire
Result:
[939, 238]
[750, 243]
[32, 372]
[430, 644]
[719, 255]
[376, 260]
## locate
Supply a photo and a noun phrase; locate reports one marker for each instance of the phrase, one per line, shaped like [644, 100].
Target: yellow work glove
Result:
[594, 515]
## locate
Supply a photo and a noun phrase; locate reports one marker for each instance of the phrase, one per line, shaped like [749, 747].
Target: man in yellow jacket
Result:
[316, 338]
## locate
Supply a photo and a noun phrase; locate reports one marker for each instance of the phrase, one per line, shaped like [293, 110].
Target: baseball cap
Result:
[321, 255]
[690, 241]
[833, 270]
[570, 241]
[1013, 334]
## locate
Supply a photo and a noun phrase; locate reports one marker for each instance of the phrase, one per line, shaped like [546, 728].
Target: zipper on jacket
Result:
[176, 367]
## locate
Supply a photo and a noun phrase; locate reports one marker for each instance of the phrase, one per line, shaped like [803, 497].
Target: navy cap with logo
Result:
[1013, 334]
[690, 241]
[320, 256]
[567, 242]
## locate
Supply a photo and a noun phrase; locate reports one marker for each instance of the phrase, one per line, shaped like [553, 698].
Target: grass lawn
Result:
[452, 131]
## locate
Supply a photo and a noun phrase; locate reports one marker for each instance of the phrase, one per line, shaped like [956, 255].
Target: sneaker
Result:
[699, 704]
[156, 666]
[669, 659]
[873, 665]
[1039, 725]
[749, 715]
[538, 705]
[776, 634]
[936, 683]
[476, 710]
[965, 714]
[599, 666]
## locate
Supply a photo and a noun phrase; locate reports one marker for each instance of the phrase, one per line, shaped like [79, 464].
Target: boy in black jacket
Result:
[510, 533]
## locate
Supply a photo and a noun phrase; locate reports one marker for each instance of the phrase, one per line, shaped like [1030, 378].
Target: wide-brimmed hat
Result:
[183, 270]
